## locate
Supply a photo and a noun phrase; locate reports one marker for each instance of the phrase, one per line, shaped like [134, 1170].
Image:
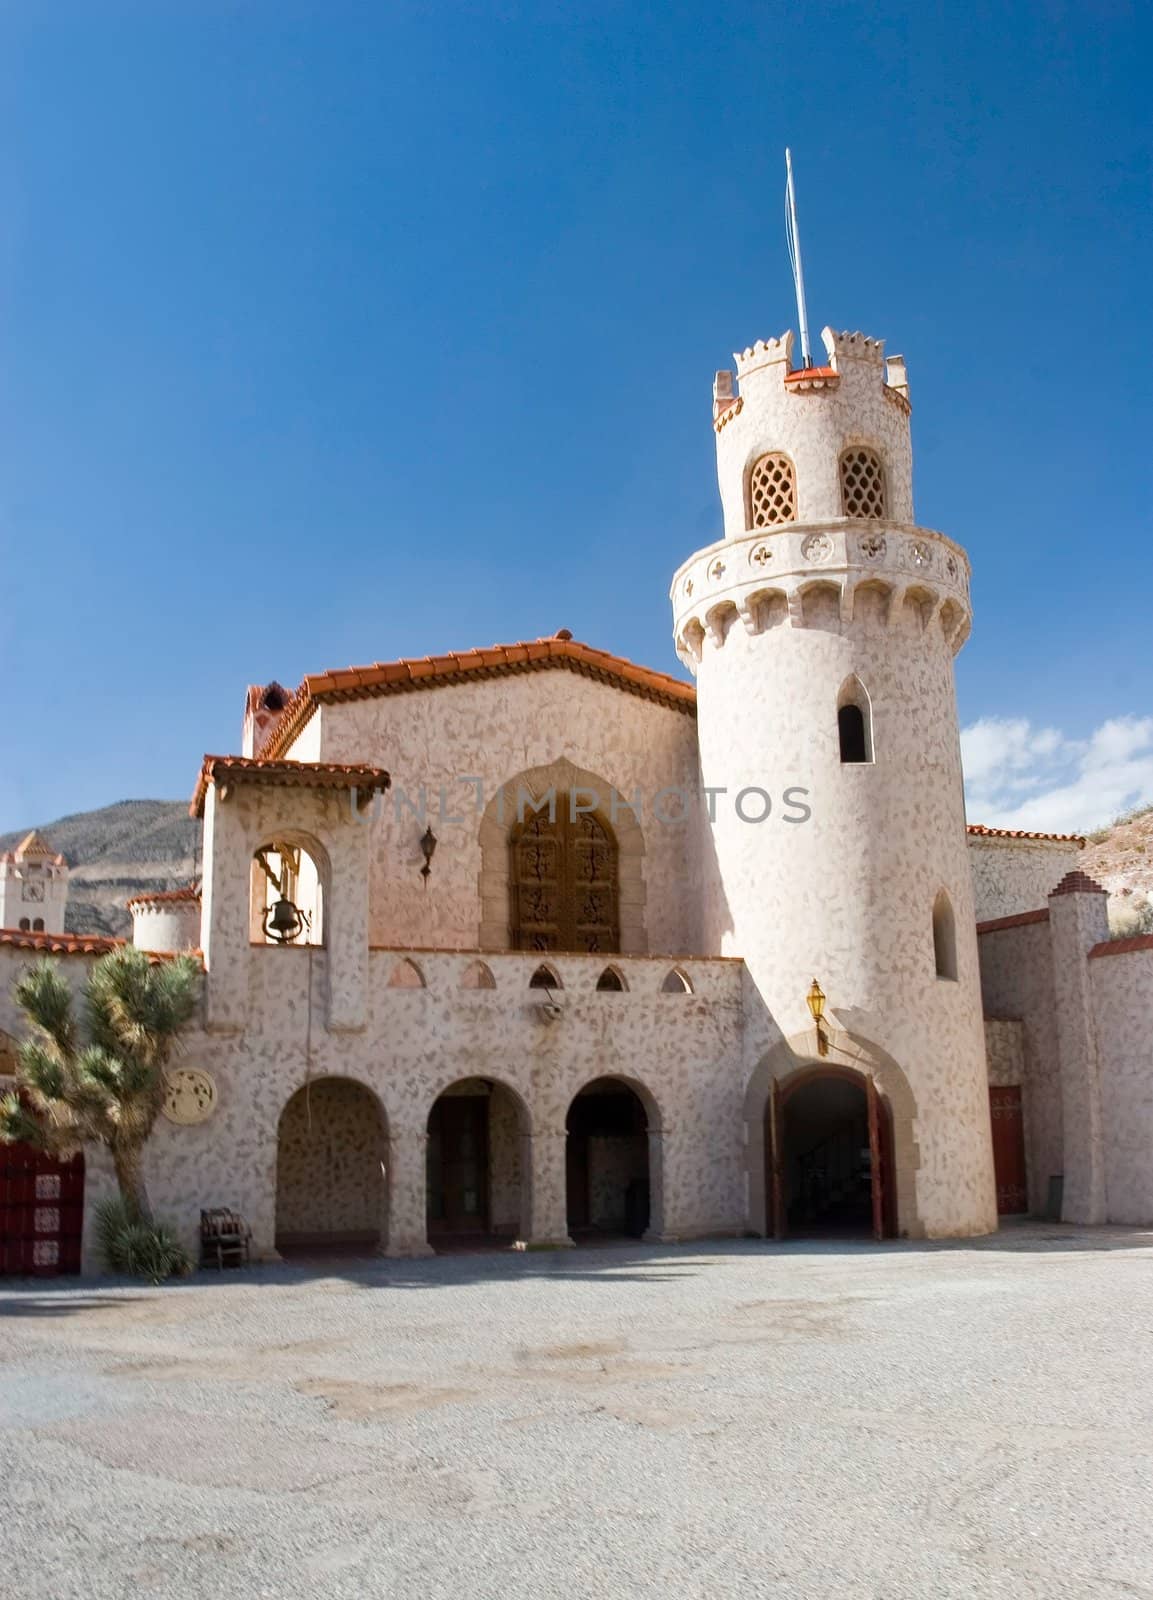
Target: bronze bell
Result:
[283, 922]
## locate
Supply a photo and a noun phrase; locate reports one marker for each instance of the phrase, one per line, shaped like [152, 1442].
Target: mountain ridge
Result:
[114, 852]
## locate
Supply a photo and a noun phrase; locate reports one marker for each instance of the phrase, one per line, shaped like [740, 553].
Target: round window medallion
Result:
[190, 1096]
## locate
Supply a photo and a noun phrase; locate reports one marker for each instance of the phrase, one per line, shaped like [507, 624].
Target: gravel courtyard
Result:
[733, 1419]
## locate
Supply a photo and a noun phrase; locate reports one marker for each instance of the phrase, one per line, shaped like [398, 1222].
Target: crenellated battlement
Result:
[765, 353]
[831, 576]
[847, 346]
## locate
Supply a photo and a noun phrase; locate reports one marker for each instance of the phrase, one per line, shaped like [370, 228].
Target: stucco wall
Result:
[1123, 1005]
[814, 427]
[1012, 875]
[490, 732]
[331, 1146]
[1005, 1051]
[683, 1052]
[846, 895]
[1017, 983]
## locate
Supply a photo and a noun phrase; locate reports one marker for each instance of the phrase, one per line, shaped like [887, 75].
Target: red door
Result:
[1008, 1149]
[41, 1211]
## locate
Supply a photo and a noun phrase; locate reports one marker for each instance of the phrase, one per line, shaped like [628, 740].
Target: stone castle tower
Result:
[821, 631]
[33, 887]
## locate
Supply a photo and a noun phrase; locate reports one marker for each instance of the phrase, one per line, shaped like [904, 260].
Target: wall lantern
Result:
[283, 922]
[428, 842]
[815, 1000]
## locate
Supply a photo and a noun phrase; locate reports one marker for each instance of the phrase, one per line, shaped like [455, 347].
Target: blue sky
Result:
[332, 333]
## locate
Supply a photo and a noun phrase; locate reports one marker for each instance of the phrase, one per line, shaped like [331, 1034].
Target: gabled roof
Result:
[285, 775]
[561, 652]
[33, 848]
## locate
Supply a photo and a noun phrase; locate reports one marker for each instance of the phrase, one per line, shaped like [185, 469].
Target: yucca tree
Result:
[100, 1080]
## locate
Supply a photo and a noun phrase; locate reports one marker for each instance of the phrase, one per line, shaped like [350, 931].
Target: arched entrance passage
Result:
[608, 1174]
[828, 1138]
[478, 1172]
[331, 1165]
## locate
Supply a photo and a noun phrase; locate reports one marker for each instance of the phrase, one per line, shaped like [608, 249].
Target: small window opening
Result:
[944, 937]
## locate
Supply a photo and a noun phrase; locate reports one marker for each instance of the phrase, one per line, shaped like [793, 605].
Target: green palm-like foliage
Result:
[103, 1082]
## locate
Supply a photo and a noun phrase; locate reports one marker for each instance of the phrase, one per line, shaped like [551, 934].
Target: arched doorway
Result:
[331, 1167]
[608, 1180]
[828, 1139]
[477, 1173]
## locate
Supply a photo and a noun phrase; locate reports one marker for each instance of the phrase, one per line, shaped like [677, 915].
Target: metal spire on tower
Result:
[794, 243]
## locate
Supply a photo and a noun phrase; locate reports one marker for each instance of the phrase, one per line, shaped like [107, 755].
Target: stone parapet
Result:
[910, 575]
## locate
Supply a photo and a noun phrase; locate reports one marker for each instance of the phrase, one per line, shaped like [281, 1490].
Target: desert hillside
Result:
[1121, 859]
[117, 852]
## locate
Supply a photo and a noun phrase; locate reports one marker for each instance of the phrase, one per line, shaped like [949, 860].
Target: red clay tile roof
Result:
[1078, 883]
[80, 944]
[1122, 947]
[979, 831]
[33, 848]
[285, 774]
[60, 944]
[470, 666]
[800, 374]
[1018, 919]
[191, 891]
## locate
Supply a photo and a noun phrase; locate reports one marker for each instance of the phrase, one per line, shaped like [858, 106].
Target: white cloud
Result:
[1019, 776]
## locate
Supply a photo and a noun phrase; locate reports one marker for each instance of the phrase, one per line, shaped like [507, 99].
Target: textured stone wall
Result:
[493, 732]
[1014, 875]
[1005, 1051]
[847, 894]
[682, 1052]
[1123, 1006]
[1017, 982]
[331, 1154]
[614, 1162]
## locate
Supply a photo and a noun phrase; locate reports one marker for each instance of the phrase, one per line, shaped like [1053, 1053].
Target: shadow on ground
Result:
[610, 1264]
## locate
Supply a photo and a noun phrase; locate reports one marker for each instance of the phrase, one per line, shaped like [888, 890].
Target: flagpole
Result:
[794, 241]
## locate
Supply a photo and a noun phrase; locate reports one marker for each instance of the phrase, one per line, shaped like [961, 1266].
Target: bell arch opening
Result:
[288, 891]
[331, 1166]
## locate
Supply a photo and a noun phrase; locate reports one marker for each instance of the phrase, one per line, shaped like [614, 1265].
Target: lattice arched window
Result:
[772, 492]
[564, 883]
[862, 483]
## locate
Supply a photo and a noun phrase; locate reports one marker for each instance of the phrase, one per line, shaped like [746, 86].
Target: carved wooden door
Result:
[565, 893]
[41, 1211]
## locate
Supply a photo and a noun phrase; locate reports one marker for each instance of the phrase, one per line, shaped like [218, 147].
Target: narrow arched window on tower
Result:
[862, 483]
[772, 492]
[854, 723]
[944, 937]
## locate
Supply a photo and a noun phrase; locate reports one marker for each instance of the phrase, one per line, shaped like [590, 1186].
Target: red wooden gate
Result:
[1008, 1149]
[41, 1211]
